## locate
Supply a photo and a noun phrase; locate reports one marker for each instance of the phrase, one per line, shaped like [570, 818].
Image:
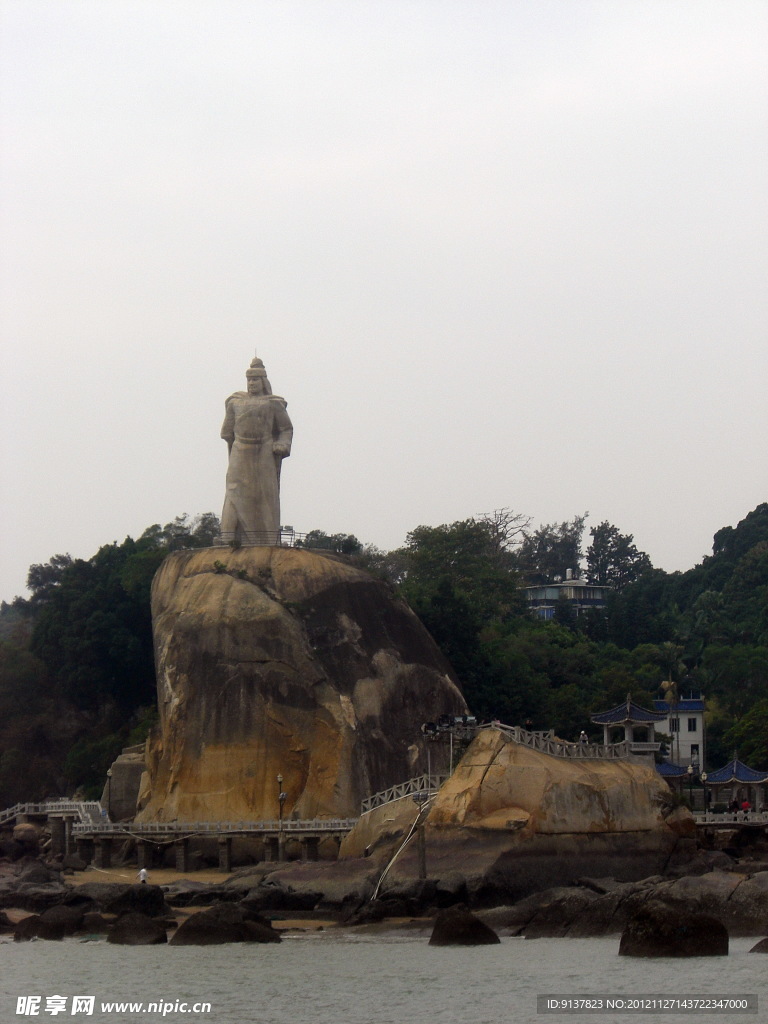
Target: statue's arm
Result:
[228, 427]
[283, 431]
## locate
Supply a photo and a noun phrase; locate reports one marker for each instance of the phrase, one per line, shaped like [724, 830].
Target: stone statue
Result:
[258, 432]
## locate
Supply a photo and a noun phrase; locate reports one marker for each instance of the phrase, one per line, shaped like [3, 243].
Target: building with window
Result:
[581, 596]
[684, 724]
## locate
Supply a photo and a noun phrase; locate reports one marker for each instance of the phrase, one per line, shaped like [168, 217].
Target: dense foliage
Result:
[76, 664]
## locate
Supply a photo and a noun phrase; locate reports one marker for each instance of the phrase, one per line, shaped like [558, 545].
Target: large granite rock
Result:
[512, 821]
[658, 930]
[284, 661]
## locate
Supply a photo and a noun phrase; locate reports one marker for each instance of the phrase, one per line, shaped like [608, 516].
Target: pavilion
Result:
[737, 781]
[638, 725]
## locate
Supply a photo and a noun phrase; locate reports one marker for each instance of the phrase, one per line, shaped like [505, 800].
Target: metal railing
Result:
[422, 785]
[164, 828]
[731, 817]
[87, 811]
[546, 743]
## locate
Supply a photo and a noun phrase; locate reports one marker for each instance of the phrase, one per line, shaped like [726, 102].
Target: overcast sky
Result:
[493, 254]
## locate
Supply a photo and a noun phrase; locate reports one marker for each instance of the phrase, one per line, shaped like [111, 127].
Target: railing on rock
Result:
[546, 743]
[422, 786]
[161, 828]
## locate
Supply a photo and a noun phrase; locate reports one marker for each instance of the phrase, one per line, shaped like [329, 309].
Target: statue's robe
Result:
[253, 424]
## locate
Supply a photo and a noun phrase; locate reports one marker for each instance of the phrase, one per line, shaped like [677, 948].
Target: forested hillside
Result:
[77, 676]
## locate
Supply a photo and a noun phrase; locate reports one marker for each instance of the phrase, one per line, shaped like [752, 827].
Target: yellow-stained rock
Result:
[499, 781]
[284, 661]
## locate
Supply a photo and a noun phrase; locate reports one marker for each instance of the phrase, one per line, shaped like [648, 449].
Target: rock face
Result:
[284, 661]
[658, 930]
[121, 791]
[512, 821]
[459, 927]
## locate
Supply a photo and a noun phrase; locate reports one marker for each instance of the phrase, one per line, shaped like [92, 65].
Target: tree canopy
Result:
[76, 662]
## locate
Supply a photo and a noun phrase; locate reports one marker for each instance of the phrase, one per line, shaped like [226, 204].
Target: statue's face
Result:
[255, 385]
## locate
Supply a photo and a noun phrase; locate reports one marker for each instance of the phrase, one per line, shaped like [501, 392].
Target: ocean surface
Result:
[334, 977]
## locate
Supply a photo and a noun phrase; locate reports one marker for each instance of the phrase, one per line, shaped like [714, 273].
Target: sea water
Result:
[349, 977]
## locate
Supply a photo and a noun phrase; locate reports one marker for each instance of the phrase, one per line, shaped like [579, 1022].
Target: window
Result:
[691, 725]
[695, 754]
[674, 725]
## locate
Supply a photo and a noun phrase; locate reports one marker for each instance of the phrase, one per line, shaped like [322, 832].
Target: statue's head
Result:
[256, 376]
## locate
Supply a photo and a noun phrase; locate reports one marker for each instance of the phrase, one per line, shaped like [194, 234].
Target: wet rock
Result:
[280, 896]
[35, 898]
[36, 873]
[704, 862]
[458, 926]
[117, 898]
[73, 862]
[760, 947]
[660, 930]
[26, 929]
[136, 929]
[205, 896]
[225, 923]
[94, 924]
[60, 921]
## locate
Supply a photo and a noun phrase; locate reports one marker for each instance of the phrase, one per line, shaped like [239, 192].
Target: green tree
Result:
[549, 552]
[749, 735]
[613, 559]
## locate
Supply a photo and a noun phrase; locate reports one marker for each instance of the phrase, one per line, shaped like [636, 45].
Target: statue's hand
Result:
[282, 451]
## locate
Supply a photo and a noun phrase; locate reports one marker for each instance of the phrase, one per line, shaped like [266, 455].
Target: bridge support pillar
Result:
[271, 849]
[69, 844]
[225, 854]
[309, 847]
[103, 852]
[84, 848]
[58, 837]
[181, 849]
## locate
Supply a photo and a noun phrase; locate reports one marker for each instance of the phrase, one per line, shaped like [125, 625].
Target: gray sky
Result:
[493, 254]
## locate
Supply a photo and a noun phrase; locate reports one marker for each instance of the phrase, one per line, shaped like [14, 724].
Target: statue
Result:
[258, 433]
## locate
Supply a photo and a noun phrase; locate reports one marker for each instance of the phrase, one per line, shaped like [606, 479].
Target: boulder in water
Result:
[457, 926]
[660, 930]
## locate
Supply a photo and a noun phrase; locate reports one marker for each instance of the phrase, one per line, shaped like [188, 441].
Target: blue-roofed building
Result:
[736, 781]
[683, 721]
[638, 725]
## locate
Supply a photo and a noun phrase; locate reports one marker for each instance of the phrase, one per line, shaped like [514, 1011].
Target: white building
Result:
[684, 724]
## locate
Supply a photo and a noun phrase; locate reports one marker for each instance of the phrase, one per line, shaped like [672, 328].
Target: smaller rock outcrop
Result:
[760, 947]
[225, 923]
[136, 929]
[458, 926]
[658, 930]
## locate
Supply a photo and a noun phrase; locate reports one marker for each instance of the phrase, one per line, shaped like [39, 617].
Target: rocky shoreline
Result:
[37, 901]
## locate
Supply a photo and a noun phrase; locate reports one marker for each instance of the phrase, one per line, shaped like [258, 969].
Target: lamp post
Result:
[690, 784]
[703, 778]
[281, 797]
[109, 794]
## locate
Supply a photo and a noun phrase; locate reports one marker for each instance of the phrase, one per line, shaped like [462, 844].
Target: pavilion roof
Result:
[688, 704]
[671, 771]
[628, 712]
[736, 771]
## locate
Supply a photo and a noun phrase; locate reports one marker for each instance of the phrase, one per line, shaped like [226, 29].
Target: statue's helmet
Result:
[256, 370]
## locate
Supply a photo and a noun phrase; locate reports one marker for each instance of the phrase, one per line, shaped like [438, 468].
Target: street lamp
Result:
[109, 793]
[703, 778]
[281, 802]
[690, 784]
